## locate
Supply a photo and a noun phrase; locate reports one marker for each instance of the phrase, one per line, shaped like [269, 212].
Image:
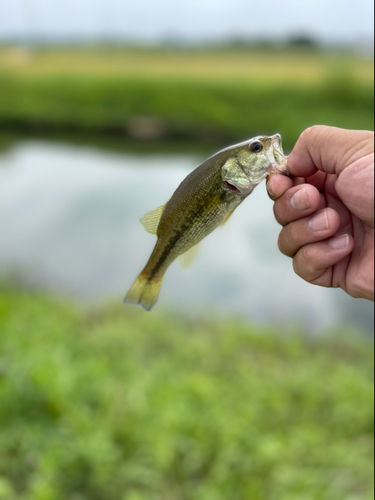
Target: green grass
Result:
[204, 96]
[117, 404]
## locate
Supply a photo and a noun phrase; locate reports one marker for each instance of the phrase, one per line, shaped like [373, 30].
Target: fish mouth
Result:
[232, 187]
[277, 156]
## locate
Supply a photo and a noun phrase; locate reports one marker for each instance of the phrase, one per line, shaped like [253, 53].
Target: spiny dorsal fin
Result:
[187, 258]
[151, 220]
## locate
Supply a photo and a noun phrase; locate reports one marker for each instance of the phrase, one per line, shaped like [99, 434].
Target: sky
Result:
[332, 21]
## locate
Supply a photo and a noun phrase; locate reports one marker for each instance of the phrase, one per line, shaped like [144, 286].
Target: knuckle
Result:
[288, 242]
[312, 132]
[356, 288]
[281, 244]
[303, 263]
[294, 233]
[277, 211]
[306, 257]
[361, 285]
[296, 267]
[280, 209]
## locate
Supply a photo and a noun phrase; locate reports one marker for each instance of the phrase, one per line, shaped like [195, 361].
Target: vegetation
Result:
[210, 96]
[117, 404]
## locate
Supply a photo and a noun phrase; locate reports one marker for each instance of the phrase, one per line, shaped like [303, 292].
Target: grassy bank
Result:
[118, 404]
[155, 95]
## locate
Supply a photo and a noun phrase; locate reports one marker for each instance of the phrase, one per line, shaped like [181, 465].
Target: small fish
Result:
[204, 200]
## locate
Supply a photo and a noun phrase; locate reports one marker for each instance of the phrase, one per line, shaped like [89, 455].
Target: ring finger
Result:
[319, 227]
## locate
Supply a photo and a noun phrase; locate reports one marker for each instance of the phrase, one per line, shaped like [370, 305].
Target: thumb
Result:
[328, 149]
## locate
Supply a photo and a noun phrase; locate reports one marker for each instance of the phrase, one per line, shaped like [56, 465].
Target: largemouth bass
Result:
[203, 201]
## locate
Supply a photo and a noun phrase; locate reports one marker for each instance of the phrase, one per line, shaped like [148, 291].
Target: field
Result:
[111, 403]
[209, 96]
[116, 404]
[252, 66]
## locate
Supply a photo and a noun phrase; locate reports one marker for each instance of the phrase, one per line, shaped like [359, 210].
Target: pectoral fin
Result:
[151, 220]
[227, 218]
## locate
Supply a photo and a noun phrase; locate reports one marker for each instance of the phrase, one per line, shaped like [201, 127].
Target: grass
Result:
[207, 96]
[307, 67]
[117, 404]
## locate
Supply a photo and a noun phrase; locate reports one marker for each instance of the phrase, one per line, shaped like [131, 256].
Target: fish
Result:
[204, 200]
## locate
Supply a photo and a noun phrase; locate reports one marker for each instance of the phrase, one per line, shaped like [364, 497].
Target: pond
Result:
[69, 220]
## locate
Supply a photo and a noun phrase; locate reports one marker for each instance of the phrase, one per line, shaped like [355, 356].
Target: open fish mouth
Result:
[232, 187]
[237, 188]
[278, 157]
[276, 153]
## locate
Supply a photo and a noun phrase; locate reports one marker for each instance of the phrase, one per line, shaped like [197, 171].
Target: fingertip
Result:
[333, 219]
[312, 261]
[309, 230]
[296, 203]
[342, 243]
[277, 185]
[304, 198]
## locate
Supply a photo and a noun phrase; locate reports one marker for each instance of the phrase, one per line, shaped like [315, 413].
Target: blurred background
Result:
[244, 382]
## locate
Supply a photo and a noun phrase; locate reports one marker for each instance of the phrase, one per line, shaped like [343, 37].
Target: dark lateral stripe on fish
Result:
[172, 243]
[179, 234]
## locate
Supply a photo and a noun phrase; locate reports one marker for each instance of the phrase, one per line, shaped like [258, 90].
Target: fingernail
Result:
[319, 222]
[300, 200]
[339, 242]
[270, 193]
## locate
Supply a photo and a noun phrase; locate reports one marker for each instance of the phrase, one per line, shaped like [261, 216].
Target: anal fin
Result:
[187, 258]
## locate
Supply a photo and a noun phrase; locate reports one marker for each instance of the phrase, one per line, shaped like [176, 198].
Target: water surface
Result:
[69, 220]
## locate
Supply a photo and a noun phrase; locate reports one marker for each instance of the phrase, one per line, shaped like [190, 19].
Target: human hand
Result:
[327, 209]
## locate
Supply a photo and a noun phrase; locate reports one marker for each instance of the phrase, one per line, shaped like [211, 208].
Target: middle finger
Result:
[298, 202]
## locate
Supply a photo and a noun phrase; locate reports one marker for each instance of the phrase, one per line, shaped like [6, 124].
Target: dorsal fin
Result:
[151, 220]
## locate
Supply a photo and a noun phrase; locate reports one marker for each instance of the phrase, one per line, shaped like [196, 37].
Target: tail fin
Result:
[144, 292]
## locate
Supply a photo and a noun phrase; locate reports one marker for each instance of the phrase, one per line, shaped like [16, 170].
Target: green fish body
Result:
[204, 200]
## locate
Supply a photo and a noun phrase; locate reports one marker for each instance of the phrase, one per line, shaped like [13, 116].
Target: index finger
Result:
[329, 150]
[277, 184]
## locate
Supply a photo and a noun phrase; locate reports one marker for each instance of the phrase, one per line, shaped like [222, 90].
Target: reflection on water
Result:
[69, 220]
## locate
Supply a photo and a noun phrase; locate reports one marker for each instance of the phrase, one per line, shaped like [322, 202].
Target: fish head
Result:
[250, 162]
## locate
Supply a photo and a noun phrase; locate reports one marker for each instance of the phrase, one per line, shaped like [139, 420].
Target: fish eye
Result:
[256, 147]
